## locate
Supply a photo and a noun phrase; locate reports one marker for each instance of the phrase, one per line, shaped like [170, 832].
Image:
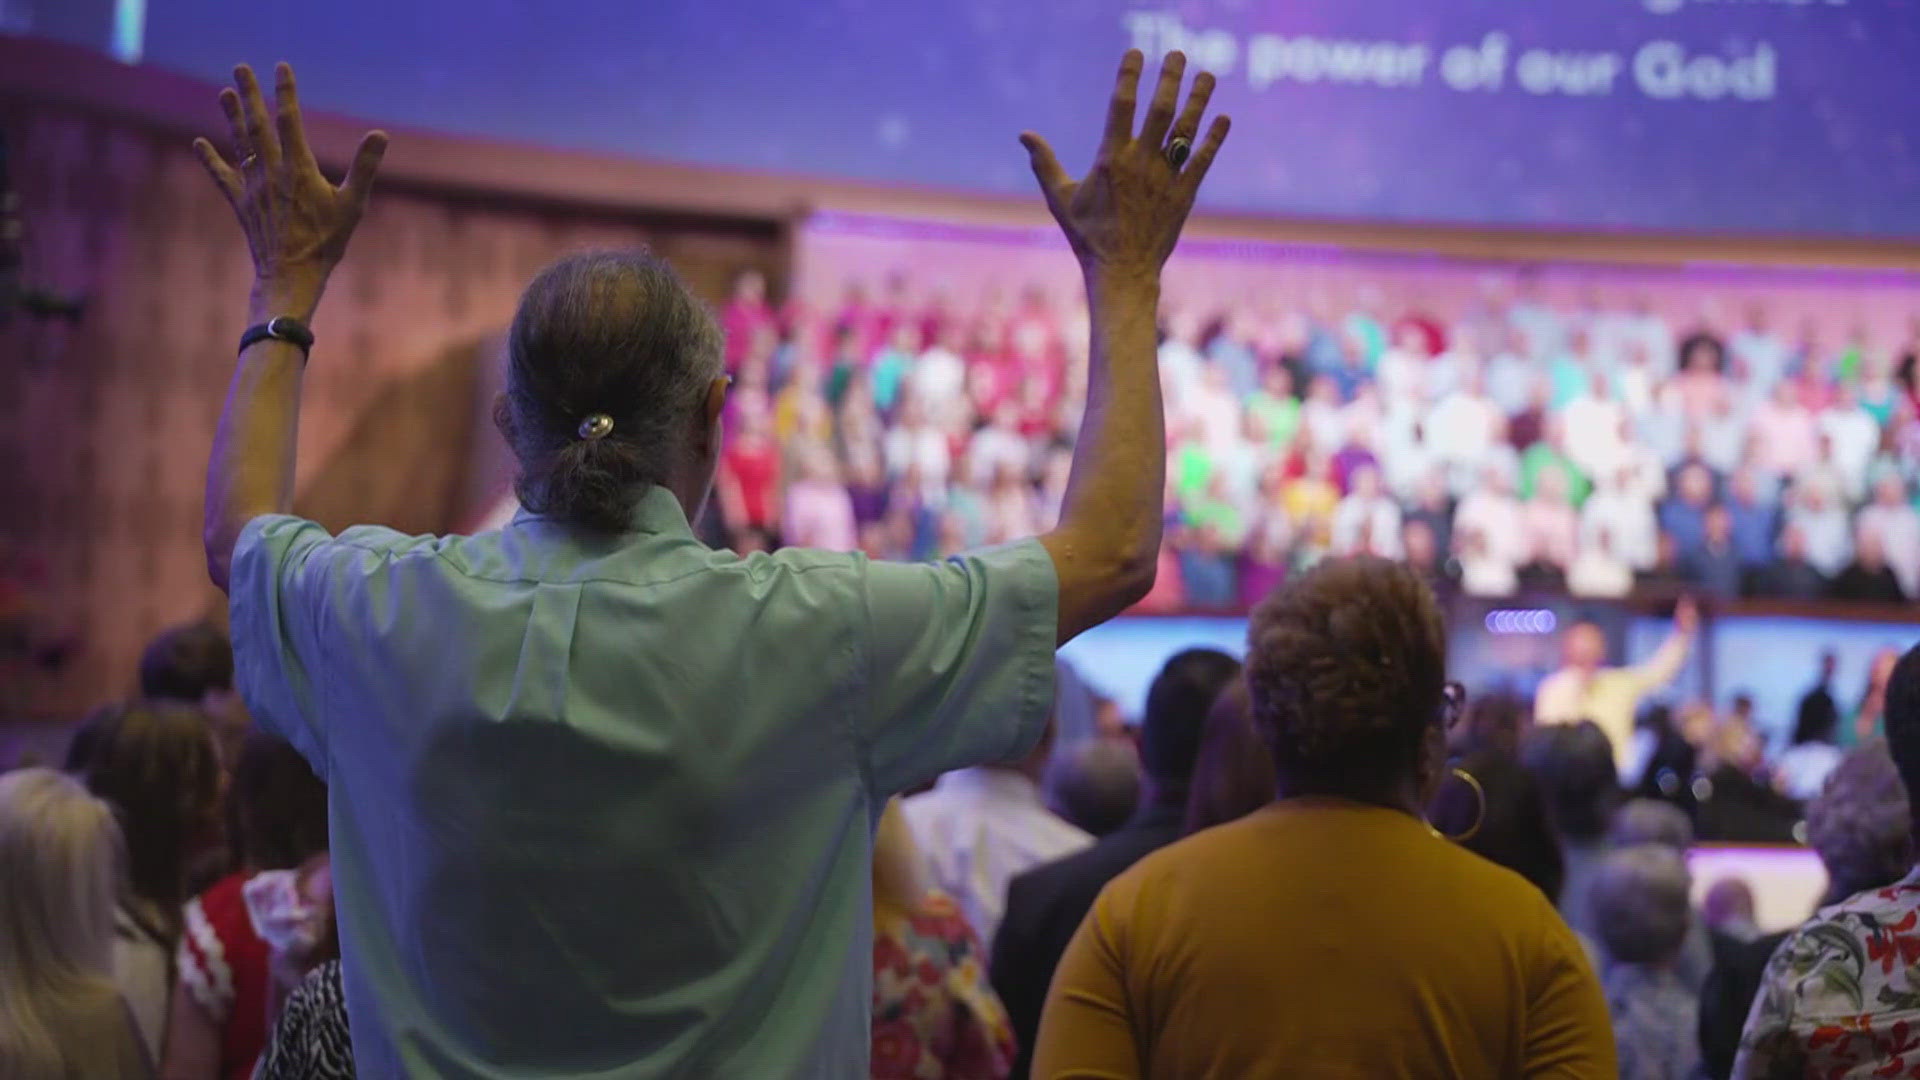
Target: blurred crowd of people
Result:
[169, 911]
[166, 888]
[1519, 448]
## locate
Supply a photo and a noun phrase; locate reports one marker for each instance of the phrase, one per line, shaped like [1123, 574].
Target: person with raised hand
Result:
[601, 797]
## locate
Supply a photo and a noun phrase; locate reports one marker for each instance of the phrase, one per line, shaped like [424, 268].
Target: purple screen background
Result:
[935, 93]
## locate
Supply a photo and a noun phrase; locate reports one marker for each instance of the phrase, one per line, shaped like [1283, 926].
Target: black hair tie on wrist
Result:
[279, 328]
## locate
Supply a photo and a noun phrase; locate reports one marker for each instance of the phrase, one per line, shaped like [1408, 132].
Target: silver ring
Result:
[1178, 150]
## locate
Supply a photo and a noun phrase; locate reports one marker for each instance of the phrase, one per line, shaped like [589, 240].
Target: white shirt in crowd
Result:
[938, 381]
[1402, 377]
[1326, 424]
[1626, 516]
[1899, 530]
[1592, 426]
[1510, 380]
[994, 447]
[1179, 371]
[1404, 458]
[1215, 410]
[1376, 519]
[923, 447]
[1462, 428]
[980, 827]
[1599, 574]
[1855, 437]
[1496, 517]
[1829, 539]
[1483, 576]
[1764, 356]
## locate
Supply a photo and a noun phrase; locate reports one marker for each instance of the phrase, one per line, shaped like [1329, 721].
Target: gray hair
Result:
[1860, 823]
[606, 333]
[1651, 821]
[1096, 785]
[1640, 905]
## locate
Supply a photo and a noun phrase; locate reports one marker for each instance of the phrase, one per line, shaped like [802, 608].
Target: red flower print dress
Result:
[1841, 996]
[934, 1016]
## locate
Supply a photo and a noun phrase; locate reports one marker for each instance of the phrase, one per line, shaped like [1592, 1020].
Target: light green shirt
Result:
[602, 806]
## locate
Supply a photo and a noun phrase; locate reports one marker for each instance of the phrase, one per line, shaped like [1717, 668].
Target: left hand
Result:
[297, 223]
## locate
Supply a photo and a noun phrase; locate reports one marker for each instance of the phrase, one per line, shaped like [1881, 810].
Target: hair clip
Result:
[596, 426]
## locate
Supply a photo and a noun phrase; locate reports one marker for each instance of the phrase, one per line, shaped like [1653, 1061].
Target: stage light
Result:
[1520, 621]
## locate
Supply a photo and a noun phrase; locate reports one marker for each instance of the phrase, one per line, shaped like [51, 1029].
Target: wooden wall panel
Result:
[105, 424]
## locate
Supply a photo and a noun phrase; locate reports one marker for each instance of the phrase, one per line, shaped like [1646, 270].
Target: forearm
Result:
[1108, 541]
[1664, 665]
[250, 471]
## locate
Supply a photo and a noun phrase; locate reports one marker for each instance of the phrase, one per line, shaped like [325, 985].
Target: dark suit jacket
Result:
[1738, 967]
[1045, 906]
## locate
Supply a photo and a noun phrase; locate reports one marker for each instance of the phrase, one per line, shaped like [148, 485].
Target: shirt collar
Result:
[658, 511]
[987, 782]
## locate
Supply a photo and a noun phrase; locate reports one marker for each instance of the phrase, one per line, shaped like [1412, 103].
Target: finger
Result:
[286, 117]
[1046, 167]
[366, 162]
[1166, 95]
[253, 109]
[1202, 159]
[222, 173]
[1188, 126]
[236, 125]
[1120, 108]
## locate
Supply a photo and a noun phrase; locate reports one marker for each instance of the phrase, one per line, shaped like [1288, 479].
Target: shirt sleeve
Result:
[290, 578]
[959, 661]
[1086, 1029]
[1769, 1048]
[202, 962]
[1569, 1034]
[1663, 666]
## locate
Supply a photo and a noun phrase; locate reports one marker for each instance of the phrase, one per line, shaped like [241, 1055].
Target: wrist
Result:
[295, 299]
[1119, 282]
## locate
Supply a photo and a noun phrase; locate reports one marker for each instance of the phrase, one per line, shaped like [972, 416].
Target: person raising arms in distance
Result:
[1585, 689]
[634, 779]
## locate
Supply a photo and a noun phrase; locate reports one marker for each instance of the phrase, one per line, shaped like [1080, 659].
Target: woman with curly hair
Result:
[1332, 932]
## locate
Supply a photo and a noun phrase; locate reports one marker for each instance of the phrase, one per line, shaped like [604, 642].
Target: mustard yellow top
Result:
[1323, 938]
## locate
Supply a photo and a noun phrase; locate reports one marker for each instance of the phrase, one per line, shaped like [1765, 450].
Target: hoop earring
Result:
[1480, 799]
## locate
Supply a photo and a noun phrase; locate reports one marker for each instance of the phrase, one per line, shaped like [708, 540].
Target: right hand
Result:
[1686, 615]
[1125, 215]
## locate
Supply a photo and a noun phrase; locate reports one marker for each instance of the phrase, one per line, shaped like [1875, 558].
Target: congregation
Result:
[1508, 445]
[584, 796]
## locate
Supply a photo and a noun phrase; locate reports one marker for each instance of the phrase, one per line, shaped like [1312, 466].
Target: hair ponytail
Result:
[606, 334]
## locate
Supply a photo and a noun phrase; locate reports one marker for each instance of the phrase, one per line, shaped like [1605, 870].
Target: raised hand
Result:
[1686, 615]
[297, 222]
[1125, 215]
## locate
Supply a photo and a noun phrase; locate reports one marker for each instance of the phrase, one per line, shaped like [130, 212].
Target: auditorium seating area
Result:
[1509, 438]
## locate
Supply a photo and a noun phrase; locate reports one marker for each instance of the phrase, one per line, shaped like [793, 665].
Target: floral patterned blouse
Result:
[1841, 996]
[934, 1015]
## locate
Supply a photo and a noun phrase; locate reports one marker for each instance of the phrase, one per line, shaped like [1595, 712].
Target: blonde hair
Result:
[60, 855]
[899, 875]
